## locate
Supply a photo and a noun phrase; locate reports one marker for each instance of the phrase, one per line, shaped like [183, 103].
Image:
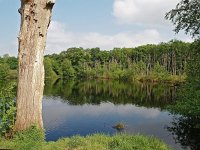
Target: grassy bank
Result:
[34, 139]
[171, 79]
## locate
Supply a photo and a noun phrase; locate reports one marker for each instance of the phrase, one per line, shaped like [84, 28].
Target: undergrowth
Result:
[34, 139]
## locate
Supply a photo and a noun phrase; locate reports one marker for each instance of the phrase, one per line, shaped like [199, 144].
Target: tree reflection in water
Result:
[186, 131]
[97, 91]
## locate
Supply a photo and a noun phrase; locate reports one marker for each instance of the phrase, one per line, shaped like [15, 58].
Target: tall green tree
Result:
[188, 102]
[48, 66]
[67, 69]
[186, 16]
[4, 70]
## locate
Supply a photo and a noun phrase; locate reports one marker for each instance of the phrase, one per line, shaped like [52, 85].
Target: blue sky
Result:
[94, 23]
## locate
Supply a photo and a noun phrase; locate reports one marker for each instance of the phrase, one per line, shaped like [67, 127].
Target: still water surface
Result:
[87, 107]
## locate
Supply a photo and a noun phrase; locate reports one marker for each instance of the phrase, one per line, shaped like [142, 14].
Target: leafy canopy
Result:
[186, 16]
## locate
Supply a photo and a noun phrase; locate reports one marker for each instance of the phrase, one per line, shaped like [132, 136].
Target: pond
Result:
[95, 106]
[86, 107]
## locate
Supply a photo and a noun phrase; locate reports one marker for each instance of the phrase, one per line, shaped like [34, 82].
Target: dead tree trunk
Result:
[35, 19]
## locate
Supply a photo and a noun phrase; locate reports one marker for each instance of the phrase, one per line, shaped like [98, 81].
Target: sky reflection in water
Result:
[99, 113]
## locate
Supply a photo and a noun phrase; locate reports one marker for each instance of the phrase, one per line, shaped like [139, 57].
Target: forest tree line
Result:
[165, 61]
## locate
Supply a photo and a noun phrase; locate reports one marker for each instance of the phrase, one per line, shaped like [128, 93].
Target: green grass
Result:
[33, 139]
[168, 79]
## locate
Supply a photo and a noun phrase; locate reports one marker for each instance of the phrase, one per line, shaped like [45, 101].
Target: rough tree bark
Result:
[35, 19]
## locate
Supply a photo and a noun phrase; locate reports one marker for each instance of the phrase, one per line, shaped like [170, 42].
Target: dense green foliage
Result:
[8, 67]
[4, 70]
[186, 16]
[186, 129]
[7, 108]
[67, 69]
[166, 61]
[34, 139]
[162, 62]
[188, 103]
[11, 61]
[48, 66]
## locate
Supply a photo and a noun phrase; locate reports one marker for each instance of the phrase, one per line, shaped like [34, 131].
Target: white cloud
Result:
[142, 11]
[60, 38]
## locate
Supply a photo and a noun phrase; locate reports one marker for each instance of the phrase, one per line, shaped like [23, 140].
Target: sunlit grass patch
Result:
[34, 139]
